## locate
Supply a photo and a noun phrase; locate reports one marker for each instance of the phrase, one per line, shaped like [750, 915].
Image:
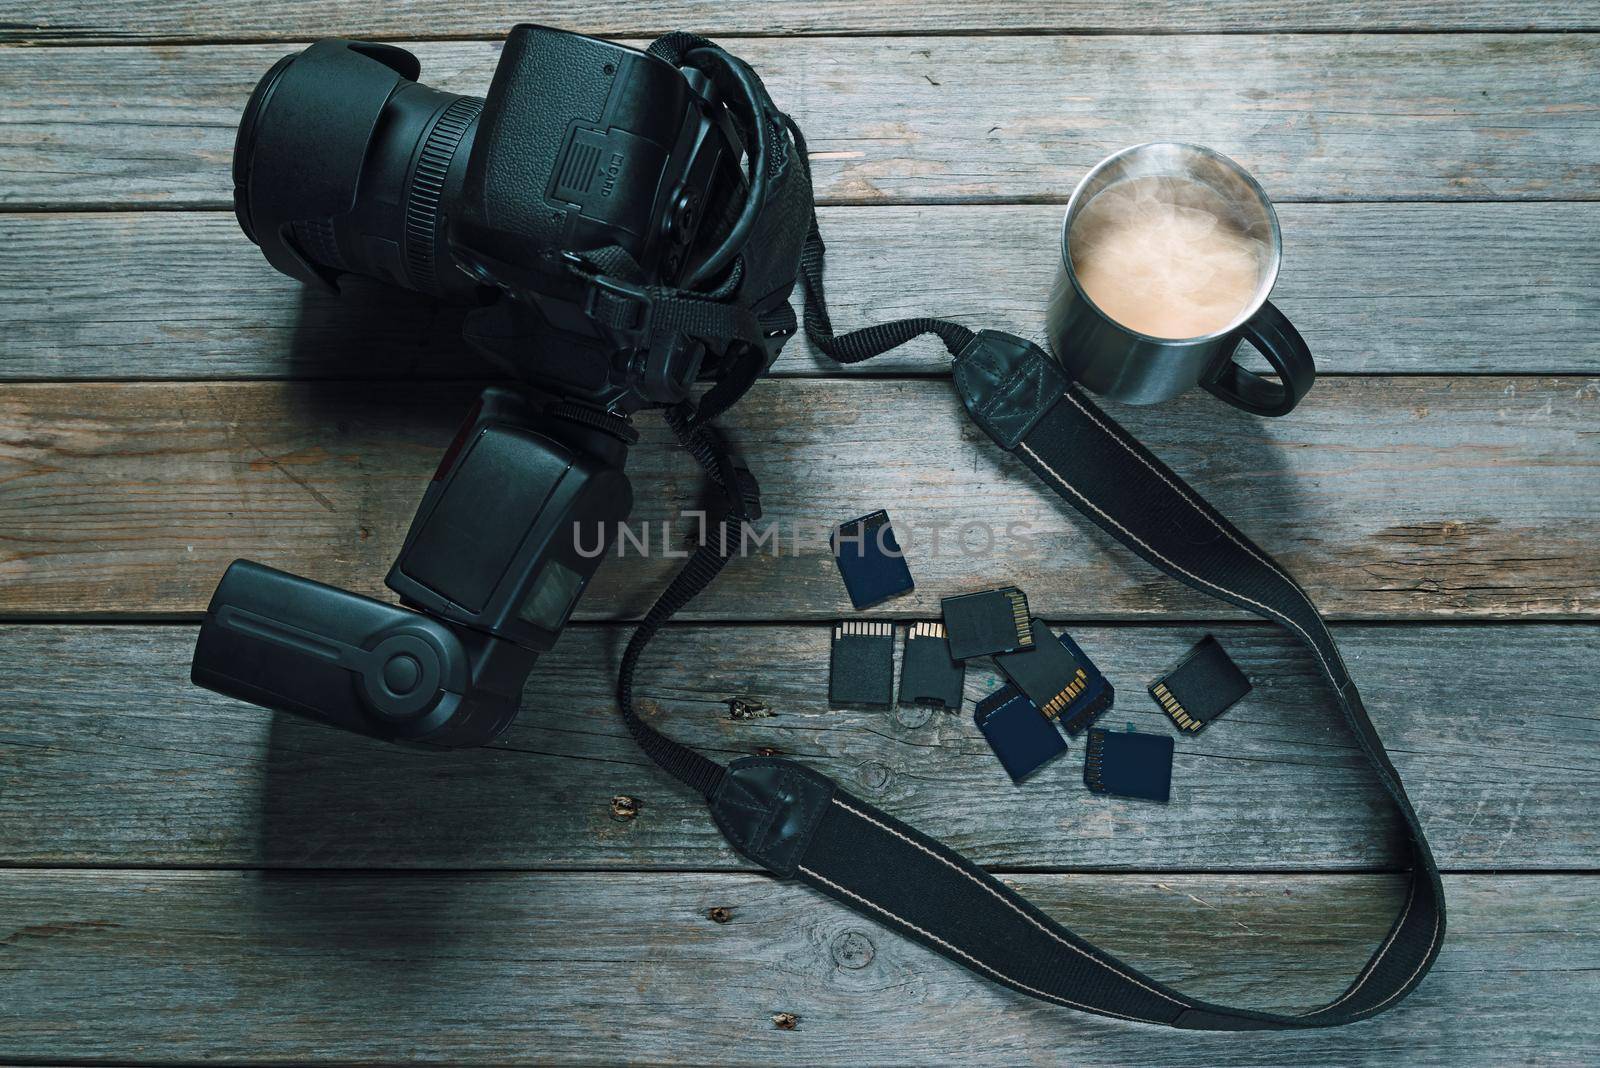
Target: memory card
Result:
[929, 675]
[870, 560]
[1128, 764]
[1059, 678]
[1200, 689]
[1024, 740]
[861, 666]
[994, 621]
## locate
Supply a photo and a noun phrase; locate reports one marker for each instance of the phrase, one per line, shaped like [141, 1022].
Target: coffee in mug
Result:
[1166, 257]
[1168, 252]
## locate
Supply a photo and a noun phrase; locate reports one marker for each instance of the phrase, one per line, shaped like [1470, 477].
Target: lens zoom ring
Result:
[427, 187]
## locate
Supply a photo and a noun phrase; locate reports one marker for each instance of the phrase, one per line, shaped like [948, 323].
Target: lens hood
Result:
[303, 140]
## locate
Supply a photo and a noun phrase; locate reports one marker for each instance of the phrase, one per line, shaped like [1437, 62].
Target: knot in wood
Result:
[913, 716]
[747, 708]
[874, 776]
[624, 807]
[853, 950]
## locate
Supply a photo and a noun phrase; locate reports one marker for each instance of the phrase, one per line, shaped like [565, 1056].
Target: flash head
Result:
[514, 523]
[512, 527]
[349, 661]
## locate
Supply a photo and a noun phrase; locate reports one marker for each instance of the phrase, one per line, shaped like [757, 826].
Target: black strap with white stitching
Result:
[798, 823]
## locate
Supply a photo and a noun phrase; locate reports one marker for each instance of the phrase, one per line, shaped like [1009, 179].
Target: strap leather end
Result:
[1007, 384]
[769, 807]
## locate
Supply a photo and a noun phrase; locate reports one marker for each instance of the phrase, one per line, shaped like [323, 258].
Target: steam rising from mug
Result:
[1166, 257]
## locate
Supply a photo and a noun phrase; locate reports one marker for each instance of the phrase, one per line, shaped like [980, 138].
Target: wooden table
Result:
[189, 878]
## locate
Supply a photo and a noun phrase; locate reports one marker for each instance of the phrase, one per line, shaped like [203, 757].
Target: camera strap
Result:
[798, 823]
[743, 504]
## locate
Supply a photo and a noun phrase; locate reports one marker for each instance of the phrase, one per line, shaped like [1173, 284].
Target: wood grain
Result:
[110, 757]
[1375, 288]
[580, 968]
[364, 903]
[1316, 117]
[81, 21]
[1389, 497]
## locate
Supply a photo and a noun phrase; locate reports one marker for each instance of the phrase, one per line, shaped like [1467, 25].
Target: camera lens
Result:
[244, 144]
[344, 163]
[434, 180]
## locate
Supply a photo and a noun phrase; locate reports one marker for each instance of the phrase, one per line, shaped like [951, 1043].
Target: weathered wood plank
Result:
[1375, 288]
[1410, 497]
[1379, 117]
[109, 757]
[81, 21]
[580, 968]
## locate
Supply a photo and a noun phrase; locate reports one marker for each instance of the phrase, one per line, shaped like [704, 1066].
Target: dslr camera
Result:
[622, 225]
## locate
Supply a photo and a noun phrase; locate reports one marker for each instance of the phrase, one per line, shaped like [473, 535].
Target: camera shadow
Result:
[368, 330]
[332, 800]
[375, 859]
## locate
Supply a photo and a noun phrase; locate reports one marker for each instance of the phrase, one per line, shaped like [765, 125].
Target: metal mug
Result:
[1123, 364]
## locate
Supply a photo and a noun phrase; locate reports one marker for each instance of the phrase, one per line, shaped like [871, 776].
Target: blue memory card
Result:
[870, 561]
[1128, 764]
[1022, 737]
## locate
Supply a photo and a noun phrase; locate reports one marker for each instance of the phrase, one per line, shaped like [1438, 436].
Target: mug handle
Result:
[1275, 337]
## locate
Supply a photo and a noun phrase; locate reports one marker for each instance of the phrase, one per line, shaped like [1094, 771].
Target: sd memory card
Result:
[1200, 689]
[870, 561]
[1128, 764]
[994, 621]
[1059, 678]
[928, 673]
[861, 666]
[1023, 740]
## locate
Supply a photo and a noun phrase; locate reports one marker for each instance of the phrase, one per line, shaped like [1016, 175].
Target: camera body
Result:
[344, 163]
[584, 144]
[622, 224]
